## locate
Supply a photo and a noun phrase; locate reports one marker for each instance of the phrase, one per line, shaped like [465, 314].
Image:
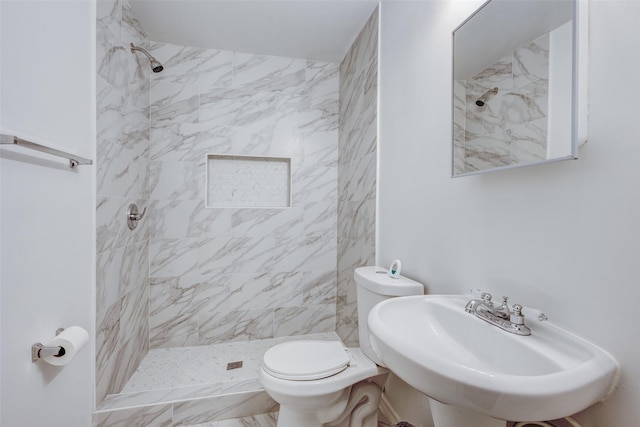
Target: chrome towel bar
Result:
[73, 159]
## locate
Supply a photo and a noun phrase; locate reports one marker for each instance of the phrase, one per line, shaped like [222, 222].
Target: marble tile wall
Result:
[235, 411]
[122, 167]
[459, 118]
[231, 274]
[357, 169]
[511, 128]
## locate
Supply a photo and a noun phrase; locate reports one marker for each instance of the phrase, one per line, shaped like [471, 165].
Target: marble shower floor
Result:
[170, 375]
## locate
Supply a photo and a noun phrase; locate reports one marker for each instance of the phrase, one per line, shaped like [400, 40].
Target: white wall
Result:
[563, 237]
[47, 216]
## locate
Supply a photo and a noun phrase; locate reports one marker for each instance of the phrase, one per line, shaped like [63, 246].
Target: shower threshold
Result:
[193, 385]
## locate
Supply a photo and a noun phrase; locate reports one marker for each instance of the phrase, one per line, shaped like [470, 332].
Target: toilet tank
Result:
[373, 285]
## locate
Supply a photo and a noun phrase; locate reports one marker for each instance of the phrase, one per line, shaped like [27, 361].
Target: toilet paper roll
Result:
[72, 339]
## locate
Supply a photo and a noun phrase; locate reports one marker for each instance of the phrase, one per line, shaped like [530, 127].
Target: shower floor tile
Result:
[168, 375]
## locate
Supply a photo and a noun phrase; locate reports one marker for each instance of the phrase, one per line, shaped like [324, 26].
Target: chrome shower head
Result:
[486, 96]
[156, 66]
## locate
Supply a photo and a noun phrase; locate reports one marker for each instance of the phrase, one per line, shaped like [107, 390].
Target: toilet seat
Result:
[359, 368]
[305, 360]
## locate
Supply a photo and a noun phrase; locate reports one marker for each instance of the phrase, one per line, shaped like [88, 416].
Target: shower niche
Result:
[238, 181]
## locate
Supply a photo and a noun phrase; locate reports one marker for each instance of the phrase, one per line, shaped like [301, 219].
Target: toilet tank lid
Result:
[376, 279]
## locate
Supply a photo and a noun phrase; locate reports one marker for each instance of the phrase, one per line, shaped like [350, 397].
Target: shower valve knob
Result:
[133, 216]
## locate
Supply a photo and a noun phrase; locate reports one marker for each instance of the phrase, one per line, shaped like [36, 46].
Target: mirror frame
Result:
[579, 95]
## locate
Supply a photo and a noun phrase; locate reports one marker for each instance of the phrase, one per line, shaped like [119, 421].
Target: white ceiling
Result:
[313, 29]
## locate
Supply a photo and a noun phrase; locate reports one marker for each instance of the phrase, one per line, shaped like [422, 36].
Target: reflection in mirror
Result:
[514, 86]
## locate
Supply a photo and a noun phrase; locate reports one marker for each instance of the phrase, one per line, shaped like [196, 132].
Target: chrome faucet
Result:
[508, 318]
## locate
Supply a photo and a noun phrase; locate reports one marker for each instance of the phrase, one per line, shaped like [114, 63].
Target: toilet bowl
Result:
[319, 395]
[324, 382]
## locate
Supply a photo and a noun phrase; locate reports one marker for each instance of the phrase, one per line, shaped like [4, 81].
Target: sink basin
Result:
[431, 343]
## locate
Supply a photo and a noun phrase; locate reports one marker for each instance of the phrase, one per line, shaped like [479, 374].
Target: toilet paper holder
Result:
[39, 350]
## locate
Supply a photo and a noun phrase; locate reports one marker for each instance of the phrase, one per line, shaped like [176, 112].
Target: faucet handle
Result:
[486, 297]
[516, 316]
[476, 292]
[505, 304]
[534, 313]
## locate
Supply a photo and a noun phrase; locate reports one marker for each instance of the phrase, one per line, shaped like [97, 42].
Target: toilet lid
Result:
[305, 360]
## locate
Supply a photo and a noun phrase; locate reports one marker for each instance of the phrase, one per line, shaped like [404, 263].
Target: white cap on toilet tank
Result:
[376, 279]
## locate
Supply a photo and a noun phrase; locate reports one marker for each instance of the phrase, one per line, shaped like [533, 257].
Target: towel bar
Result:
[73, 159]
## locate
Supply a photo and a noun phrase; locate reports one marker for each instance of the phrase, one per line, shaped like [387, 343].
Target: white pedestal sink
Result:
[474, 369]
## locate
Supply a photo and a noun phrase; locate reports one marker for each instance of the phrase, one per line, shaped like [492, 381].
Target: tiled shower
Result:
[222, 274]
[511, 127]
[122, 168]
[201, 269]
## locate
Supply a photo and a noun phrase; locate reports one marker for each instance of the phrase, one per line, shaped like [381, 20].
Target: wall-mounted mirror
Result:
[519, 85]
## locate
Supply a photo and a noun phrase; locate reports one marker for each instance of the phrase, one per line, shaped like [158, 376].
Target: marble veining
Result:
[155, 416]
[269, 222]
[191, 65]
[175, 102]
[306, 253]
[252, 292]
[109, 15]
[110, 103]
[357, 170]
[189, 142]
[131, 29]
[237, 325]
[175, 302]
[511, 128]
[307, 319]
[321, 149]
[314, 184]
[173, 257]
[531, 62]
[319, 287]
[169, 368]
[230, 103]
[177, 180]
[270, 73]
[239, 107]
[319, 218]
[228, 254]
[223, 283]
[126, 166]
[122, 177]
[178, 219]
[322, 79]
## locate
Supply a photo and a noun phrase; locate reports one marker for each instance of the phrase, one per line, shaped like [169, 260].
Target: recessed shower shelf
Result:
[238, 181]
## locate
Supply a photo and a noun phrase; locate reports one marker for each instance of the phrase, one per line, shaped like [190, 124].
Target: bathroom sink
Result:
[457, 359]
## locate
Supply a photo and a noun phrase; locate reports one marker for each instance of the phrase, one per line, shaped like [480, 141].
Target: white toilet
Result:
[323, 382]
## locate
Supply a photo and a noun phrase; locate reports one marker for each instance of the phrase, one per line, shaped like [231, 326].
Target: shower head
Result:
[156, 66]
[486, 96]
